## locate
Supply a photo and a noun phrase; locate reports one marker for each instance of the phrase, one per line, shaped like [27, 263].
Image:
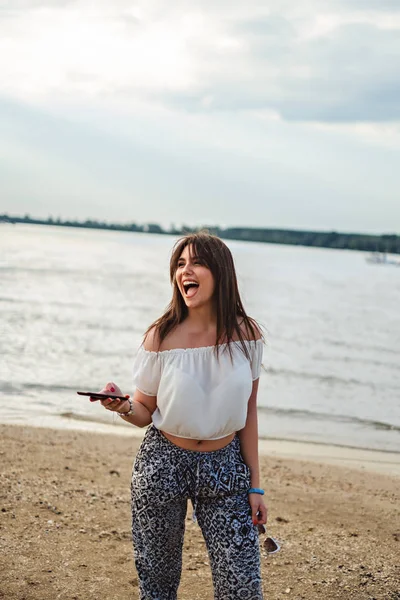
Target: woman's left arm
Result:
[248, 437]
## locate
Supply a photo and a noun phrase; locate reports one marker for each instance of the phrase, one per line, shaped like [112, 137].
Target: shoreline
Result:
[65, 523]
[253, 235]
[372, 460]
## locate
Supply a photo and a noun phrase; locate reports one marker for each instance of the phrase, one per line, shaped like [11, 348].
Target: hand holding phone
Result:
[110, 390]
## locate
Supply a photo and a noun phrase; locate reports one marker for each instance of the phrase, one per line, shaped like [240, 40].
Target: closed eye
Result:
[196, 261]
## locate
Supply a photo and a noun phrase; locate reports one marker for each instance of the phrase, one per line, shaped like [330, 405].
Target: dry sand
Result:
[65, 522]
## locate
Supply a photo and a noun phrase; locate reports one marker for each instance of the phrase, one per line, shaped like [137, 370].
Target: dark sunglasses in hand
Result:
[270, 545]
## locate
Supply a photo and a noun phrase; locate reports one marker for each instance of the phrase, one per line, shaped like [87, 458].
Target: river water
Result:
[74, 304]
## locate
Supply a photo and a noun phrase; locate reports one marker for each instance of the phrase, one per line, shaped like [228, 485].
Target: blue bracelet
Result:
[256, 491]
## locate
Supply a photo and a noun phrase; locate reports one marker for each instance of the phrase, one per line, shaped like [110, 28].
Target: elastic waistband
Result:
[153, 433]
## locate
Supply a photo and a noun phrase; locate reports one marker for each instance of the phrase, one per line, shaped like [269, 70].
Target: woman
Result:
[196, 377]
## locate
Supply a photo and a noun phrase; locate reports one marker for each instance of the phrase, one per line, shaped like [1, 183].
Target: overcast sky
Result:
[273, 114]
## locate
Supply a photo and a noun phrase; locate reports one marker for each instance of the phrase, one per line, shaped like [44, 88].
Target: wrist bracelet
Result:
[130, 411]
[256, 491]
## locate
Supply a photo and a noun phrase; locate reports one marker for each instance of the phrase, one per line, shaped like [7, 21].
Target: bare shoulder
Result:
[176, 338]
[250, 330]
[152, 340]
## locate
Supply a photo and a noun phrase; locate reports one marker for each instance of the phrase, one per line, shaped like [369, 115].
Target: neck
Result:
[202, 318]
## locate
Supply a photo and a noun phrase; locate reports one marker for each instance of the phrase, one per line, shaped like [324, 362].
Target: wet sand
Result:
[65, 521]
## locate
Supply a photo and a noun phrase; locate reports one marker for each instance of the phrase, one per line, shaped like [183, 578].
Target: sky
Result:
[268, 114]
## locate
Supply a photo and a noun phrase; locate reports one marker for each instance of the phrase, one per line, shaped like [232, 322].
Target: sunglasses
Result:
[270, 545]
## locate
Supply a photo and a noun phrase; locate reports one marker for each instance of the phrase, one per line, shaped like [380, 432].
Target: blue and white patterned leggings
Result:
[164, 477]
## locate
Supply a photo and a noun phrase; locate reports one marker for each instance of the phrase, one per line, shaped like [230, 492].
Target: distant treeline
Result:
[389, 243]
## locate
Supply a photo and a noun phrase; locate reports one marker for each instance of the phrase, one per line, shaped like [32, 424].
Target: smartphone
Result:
[99, 396]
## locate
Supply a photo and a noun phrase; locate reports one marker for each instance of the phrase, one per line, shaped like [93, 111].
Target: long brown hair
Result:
[232, 319]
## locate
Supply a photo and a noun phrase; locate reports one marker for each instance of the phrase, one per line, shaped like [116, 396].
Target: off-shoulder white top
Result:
[199, 395]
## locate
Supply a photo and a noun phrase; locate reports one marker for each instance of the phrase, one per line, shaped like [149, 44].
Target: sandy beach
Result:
[65, 521]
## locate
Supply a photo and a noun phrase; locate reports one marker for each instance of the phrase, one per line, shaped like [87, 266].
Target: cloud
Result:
[371, 5]
[304, 61]
[274, 114]
[349, 75]
[194, 168]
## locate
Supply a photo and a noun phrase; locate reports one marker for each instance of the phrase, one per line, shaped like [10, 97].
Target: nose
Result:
[188, 269]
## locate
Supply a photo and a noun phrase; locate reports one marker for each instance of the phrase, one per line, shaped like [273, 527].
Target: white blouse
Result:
[199, 395]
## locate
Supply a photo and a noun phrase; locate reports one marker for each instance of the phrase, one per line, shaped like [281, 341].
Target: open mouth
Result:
[190, 288]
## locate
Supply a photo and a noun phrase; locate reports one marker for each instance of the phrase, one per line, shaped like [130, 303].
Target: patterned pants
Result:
[164, 477]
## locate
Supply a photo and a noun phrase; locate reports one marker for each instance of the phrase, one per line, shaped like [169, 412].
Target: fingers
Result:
[111, 404]
[112, 387]
[263, 515]
[254, 513]
[259, 513]
[259, 519]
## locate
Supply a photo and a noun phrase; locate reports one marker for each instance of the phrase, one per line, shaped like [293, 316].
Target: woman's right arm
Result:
[144, 406]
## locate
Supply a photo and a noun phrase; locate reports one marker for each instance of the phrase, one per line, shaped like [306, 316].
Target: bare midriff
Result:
[199, 445]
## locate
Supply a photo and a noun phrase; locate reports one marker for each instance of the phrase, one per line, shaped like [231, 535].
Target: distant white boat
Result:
[380, 258]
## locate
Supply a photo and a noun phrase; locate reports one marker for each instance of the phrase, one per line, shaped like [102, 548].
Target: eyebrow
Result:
[192, 257]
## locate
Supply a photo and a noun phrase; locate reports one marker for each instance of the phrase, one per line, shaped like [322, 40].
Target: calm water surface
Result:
[74, 304]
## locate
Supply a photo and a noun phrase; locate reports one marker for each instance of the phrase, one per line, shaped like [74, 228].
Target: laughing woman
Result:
[196, 377]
